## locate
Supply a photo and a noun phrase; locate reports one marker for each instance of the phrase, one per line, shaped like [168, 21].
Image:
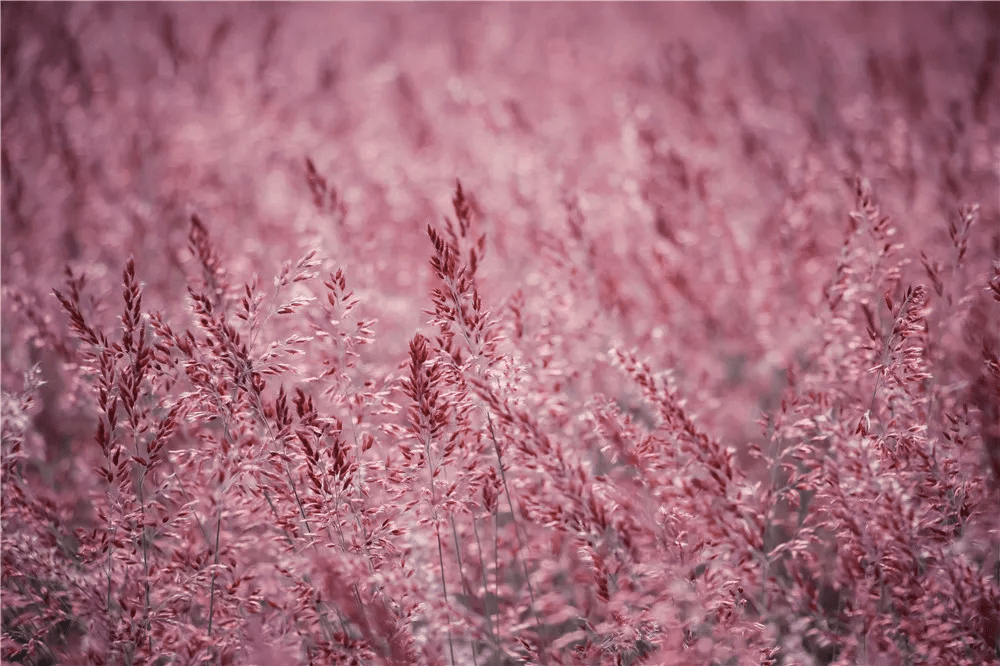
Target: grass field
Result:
[527, 333]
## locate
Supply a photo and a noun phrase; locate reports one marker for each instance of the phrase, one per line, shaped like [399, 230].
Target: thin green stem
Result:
[513, 516]
[211, 599]
[486, 591]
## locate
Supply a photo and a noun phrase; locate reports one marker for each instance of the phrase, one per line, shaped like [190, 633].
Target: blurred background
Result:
[697, 147]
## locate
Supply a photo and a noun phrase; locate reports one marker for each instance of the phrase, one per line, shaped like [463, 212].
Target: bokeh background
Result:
[671, 124]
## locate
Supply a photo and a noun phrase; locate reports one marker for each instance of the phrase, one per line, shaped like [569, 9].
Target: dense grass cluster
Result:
[500, 334]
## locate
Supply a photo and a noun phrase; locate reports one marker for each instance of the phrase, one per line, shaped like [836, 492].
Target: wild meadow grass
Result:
[500, 334]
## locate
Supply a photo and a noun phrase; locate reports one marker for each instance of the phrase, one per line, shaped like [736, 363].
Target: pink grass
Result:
[486, 334]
